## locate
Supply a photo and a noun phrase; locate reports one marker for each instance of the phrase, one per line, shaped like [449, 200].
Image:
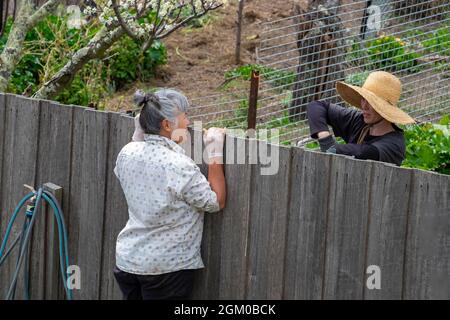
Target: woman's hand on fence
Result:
[214, 139]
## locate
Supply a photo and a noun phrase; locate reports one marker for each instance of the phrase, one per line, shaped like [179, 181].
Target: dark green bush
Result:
[127, 64]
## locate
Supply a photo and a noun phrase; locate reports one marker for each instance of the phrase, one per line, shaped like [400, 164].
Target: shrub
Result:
[439, 41]
[389, 53]
[428, 146]
[50, 45]
[127, 64]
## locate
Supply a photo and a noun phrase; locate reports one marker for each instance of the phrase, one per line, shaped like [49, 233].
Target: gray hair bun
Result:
[141, 99]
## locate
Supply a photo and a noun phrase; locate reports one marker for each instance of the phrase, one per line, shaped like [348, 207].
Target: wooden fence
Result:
[308, 232]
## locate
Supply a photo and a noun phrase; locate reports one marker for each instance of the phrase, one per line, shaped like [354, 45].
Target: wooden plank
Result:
[234, 234]
[207, 280]
[391, 187]
[90, 210]
[116, 210]
[4, 215]
[18, 168]
[305, 259]
[53, 166]
[75, 199]
[427, 261]
[2, 158]
[347, 228]
[268, 222]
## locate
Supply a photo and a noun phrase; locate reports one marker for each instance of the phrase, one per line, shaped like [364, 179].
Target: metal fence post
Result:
[253, 100]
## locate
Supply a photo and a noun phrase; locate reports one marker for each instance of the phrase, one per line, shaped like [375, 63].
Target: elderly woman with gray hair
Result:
[167, 195]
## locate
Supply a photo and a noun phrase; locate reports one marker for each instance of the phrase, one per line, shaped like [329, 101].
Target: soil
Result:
[199, 57]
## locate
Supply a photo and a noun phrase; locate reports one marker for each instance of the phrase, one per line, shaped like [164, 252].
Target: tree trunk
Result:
[320, 60]
[27, 18]
[239, 31]
[13, 49]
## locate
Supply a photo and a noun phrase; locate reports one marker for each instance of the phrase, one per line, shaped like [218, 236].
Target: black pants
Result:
[170, 286]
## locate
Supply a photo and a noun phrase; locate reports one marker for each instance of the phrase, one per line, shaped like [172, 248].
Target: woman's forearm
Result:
[216, 178]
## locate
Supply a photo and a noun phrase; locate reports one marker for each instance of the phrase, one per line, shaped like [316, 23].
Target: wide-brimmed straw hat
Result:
[382, 91]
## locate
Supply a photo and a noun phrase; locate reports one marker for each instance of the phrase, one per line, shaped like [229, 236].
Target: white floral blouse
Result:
[166, 195]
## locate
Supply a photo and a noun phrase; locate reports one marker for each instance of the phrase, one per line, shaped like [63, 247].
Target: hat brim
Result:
[353, 94]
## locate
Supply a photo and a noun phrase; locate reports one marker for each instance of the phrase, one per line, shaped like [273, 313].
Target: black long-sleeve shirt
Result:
[348, 123]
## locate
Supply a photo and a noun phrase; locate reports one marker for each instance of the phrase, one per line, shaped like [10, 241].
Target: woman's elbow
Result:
[222, 203]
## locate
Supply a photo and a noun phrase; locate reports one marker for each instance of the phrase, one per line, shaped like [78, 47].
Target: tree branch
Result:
[47, 8]
[182, 23]
[94, 49]
[122, 23]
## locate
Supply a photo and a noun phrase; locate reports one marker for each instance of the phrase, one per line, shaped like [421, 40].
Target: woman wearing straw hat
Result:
[370, 133]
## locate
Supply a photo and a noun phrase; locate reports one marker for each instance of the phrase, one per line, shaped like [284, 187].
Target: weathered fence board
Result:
[92, 169]
[234, 234]
[4, 214]
[2, 137]
[54, 155]
[75, 199]
[427, 265]
[19, 168]
[389, 199]
[268, 221]
[207, 280]
[116, 210]
[305, 259]
[347, 228]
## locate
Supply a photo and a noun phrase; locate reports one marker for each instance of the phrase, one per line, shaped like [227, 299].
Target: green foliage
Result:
[357, 53]
[128, 64]
[439, 41]
[357, 79]
[50, 45]
[278, 78]
[428, 146]
[389, 53]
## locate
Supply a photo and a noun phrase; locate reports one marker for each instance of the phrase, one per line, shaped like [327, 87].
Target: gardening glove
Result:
[138, 134]
[214, 139]
[327, 144]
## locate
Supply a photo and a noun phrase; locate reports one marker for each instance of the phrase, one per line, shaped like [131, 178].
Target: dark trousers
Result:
[169, 286]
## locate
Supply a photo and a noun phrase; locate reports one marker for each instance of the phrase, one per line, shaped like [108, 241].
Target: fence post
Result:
[52, 276]
[253, 100]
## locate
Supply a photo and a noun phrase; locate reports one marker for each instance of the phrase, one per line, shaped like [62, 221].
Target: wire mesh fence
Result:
[301, 57]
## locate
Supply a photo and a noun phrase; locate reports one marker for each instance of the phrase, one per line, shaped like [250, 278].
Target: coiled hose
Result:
[31, 214]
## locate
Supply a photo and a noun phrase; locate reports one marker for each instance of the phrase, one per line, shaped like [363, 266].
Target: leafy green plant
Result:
[439, 41]
[126, 63]
[389, 53]
[428, 146]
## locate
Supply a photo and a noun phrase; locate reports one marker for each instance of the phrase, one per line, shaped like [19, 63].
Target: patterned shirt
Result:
[166, 195]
